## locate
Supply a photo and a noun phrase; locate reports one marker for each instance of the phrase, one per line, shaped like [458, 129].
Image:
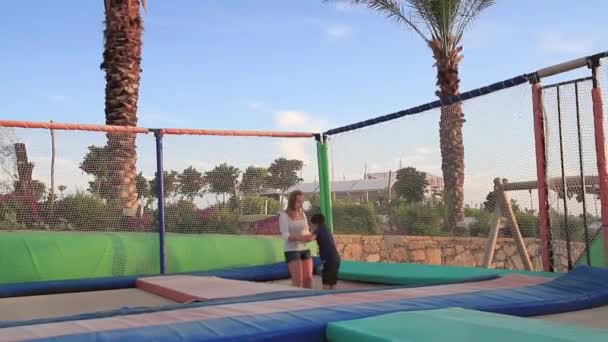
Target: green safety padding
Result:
[457, 325]
[188, 253]
[41, 256]
[598, 258]
[419, 274]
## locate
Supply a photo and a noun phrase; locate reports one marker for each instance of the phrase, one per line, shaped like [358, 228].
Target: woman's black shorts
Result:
[297, 255]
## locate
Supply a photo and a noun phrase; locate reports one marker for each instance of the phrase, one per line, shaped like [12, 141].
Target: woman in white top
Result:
[295, 231]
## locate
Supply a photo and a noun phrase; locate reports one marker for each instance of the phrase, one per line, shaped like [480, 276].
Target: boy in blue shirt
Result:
[327, 251]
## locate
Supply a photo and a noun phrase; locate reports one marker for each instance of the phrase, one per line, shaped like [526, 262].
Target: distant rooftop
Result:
[377, 181]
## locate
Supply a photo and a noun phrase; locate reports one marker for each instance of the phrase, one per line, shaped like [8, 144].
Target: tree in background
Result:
[38, 190]
[122, 65]
[191, 183]
[283, 174]
[143, 191]
[492, 200]
[411, 184]
[8, 160]
[222, 180]
[441, 24]
[170, 184]
[97, 164]
[61, 189]
[253, 180]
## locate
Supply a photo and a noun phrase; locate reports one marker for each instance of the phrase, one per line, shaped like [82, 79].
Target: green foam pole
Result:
[320, 174]
[324, 183]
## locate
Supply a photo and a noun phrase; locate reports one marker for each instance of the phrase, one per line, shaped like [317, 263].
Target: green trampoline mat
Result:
[419, 274]
[596, 252]
[457, 325]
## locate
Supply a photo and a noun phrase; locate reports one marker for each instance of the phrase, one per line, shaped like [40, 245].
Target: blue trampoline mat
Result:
[583, 288]
[252, 273]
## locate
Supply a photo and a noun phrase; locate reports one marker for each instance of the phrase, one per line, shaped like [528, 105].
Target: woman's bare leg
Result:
[307, 268]
[295, 271]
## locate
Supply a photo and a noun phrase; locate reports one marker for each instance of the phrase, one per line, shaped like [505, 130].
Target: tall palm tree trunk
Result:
[122, 64]
[450, 135]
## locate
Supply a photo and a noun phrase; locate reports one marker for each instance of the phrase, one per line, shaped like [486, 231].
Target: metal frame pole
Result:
[582, 174]
[160, 193]
[564, 184]
[600, 148]
[541, 175]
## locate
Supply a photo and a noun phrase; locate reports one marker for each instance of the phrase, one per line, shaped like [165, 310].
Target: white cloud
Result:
[338, 31]
[302, 149]
[299, 121]
[559, 43]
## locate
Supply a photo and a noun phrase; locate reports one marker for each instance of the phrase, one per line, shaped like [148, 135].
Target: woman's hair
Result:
[291, 201]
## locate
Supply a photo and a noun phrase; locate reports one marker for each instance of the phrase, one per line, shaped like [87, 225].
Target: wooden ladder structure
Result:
[503, 208]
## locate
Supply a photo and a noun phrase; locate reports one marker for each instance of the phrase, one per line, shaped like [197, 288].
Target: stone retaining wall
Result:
[459, 251]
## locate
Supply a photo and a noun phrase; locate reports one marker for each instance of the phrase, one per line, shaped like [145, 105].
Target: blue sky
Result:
[296, 65]
[235, 64]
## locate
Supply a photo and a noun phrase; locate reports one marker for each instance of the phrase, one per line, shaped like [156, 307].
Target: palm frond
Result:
[392, 9]
[445, 20]
[470, 11]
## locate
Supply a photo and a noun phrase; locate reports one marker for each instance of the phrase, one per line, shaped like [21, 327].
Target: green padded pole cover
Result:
[324, 183]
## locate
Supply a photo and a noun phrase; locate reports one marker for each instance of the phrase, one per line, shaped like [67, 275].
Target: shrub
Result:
[576, 226]
[254, 205]
[481, 226]
[351, 218]
[221, 221]
[87, 212]
[15, 213]
[416, 218]
[9, 221]
[143, 223]
[180, 216]
[528, 223]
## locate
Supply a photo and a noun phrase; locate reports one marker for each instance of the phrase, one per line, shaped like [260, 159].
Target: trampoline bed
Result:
[276, 312]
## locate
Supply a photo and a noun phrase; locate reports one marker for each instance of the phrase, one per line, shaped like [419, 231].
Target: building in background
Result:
[373, 187]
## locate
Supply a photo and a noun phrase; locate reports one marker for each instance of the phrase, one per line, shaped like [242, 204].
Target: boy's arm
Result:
[321, 233]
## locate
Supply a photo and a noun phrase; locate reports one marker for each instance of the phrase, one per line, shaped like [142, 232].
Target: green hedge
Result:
[529, 223]
[415, 218]
[350, 218]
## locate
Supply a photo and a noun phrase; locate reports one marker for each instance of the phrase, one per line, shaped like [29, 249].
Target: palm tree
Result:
[441, 24]
[122, 65]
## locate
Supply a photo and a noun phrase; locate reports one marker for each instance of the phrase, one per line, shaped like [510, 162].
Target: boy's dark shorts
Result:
[329, 274]
[297, 255]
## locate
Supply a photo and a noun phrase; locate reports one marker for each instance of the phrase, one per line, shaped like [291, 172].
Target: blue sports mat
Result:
[583, 288]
